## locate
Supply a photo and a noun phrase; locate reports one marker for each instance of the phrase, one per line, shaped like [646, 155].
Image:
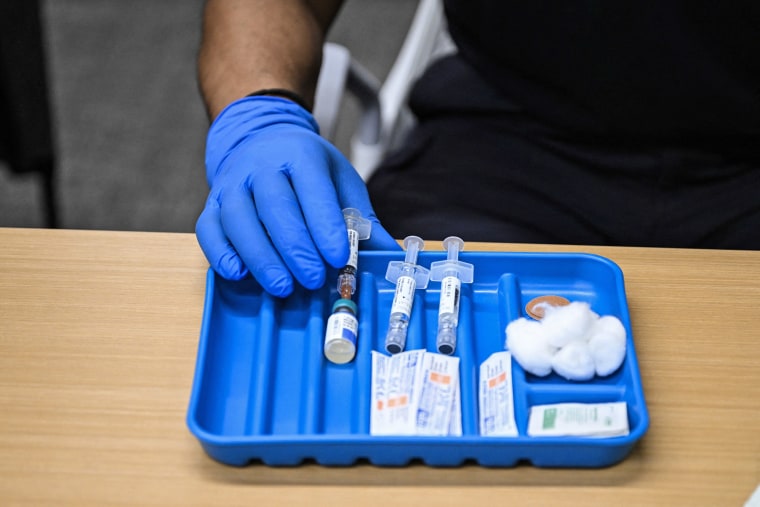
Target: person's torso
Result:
[621, 69]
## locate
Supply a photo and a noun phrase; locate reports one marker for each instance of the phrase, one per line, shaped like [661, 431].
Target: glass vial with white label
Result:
[341, 332]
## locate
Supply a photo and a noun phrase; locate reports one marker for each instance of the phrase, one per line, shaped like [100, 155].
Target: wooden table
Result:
[98, 338]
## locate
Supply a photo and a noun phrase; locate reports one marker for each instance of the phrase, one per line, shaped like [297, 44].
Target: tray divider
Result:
[510, 308]
[259, 408]
[416, 333]
[468, 367]
[368, 321]
[312, 400]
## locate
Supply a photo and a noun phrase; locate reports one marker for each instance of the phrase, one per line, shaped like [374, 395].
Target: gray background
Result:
[129, 122]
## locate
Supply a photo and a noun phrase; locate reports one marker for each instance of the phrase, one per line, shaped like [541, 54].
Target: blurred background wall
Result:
[128, 122]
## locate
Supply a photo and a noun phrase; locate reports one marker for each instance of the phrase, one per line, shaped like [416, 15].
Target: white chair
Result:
[384, 117]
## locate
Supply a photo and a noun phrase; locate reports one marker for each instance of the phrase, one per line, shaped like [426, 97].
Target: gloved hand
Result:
[277, 191]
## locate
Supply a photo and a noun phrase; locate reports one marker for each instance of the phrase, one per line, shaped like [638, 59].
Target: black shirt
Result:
[626, 70]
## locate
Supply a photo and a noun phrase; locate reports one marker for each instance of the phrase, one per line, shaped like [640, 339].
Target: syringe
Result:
[358, 228]
[343, 326]
[451, 273]
[408, 277]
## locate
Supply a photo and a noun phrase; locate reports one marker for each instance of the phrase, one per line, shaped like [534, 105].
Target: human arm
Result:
[252, 45]
[277, 188]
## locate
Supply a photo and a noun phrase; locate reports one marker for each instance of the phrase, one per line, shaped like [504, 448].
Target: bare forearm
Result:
[250, 45]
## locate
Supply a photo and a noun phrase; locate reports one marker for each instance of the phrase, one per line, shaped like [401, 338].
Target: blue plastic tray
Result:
[263, 391]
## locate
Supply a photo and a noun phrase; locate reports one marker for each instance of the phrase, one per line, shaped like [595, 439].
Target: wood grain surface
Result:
[98, 339]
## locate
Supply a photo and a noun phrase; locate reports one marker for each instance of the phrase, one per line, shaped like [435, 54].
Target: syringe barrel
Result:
[403, 298]
[446, 341]
[448, 314]
[401, 310]
[353, 249]
[346, 280]
[395, 338]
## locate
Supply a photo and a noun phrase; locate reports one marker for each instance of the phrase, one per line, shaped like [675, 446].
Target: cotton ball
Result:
[564, 324]
[607, 344]
[527, 342]
[574, 361]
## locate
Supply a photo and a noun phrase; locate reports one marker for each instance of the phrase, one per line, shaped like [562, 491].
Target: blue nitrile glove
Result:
[277, 194]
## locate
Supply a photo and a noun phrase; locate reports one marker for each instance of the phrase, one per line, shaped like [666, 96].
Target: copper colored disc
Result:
[536, 307]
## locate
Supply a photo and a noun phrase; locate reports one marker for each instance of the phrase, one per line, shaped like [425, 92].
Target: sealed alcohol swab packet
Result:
[395, 392]
[438, 391]
[379, 394]
[495, 396]
[415, 393]
[455, 425]
[579, 419]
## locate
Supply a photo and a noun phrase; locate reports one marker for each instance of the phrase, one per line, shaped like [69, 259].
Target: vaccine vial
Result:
[341, 333]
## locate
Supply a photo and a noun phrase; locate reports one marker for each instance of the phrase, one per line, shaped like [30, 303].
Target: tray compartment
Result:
[234, 310]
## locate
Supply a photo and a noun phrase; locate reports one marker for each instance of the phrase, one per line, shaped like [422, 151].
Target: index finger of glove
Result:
[322, 212]
[245, 231]
[352, 192]
[281, 213]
